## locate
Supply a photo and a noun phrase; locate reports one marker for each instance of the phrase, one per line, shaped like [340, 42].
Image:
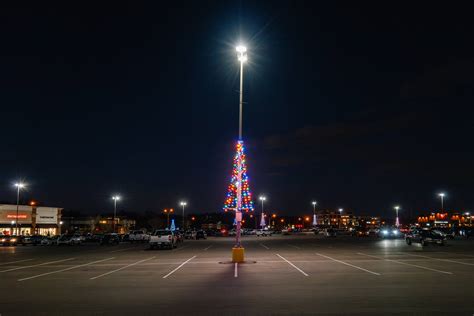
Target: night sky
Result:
[356, 107]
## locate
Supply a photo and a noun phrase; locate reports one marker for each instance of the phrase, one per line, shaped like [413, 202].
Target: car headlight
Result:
[3, 239]
[385, 232]
[395, 232]
[13, 239]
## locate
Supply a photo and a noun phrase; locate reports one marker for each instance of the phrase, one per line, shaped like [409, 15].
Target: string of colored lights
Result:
[231, 199]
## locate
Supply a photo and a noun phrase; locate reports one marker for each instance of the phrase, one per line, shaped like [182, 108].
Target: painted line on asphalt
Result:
[207, 248]
[124, 267]
[291, 264]
[65, 269]
[348, 264]
[455, 253]
[439, 259]
[236, 274]
[264, 246]
[36, 265]
[181, 248]
[405, 263]
[123, 249]
[179, 267]
[296, 247]
[7, 263]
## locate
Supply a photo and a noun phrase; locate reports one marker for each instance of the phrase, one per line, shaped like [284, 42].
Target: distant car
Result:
[264, 233]
[390, 232]
[110, 239]
[68, 240]
[179, 236]
[49, 241]
[163, 238]
[425, 237]
[138, 236]
[8, 240]
[200, 234]
[190, 234]
[285, 231]
[232, 232]
[330, 232]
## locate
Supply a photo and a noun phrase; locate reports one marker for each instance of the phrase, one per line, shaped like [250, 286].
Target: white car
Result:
[264, 233]
[163, 238]
[138, 236]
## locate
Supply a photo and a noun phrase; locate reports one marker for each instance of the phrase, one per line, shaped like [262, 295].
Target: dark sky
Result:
[356, 107]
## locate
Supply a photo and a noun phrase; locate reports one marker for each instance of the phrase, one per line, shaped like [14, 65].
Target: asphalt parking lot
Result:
[304, 274]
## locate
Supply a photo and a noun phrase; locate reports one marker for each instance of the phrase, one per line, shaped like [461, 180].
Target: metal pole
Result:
[262, 212]
[241, 97]
[183, 215]
[238, 212]
[442, 204]
[17, 206]
[115, 212]
[168, 220]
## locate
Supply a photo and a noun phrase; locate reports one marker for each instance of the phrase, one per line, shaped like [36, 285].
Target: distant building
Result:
[31, 219]
[98, 224]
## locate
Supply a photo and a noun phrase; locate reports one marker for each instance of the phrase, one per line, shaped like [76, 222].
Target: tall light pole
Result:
[397, 222]
[262, 198]
[18, 186]
[242, 57]
[315, 221]
[340, 217]
[115, 198]
[441, 195]
[183, 204]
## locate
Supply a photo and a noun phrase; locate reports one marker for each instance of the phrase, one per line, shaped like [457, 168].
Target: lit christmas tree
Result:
[231, 199]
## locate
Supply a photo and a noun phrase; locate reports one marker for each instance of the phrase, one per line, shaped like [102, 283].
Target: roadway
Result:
[304, 274]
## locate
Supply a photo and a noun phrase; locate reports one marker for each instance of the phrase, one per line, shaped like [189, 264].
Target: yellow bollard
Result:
[238, 254]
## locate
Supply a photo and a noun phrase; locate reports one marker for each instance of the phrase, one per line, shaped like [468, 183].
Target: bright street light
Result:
[263, 199]
[115, 198]
[18, 186]
[183, 204]
[442, 195]
[397, 222]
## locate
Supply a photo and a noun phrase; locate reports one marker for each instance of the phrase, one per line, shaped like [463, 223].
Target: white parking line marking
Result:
[264, 246]
[116, 270]
[208, 247]
[235, 270]
[291, 264]
[36, 265]
[123, 249]
[65, 269]
[296, 247]
[404, 263]
[439, 259]
[7, 263]
[179, 267]
[348, 264]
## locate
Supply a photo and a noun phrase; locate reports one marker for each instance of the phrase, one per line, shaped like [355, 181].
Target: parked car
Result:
[190, 234]
[110, 239]
[8, 240]
[264, 233]
[330, 232]
[68, 240]
[138, 236]
[30, 240]
[163, 238]
[425, 237]
[49, 241]
[200, 234]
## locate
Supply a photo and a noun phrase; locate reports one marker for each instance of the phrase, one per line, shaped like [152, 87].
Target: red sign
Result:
[21, 216]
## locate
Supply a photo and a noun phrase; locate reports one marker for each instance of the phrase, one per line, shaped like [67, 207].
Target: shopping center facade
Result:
[30, 219]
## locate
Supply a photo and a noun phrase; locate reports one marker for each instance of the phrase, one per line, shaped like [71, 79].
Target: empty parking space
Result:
[309, 269]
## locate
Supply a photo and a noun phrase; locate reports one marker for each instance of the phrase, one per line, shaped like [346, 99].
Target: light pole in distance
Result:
[116, 198]
[183, 204]
[18, 186]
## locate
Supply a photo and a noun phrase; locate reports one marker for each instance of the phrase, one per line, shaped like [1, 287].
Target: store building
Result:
[31, 219]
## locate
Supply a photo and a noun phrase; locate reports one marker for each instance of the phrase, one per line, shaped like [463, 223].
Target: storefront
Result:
[29, 220]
